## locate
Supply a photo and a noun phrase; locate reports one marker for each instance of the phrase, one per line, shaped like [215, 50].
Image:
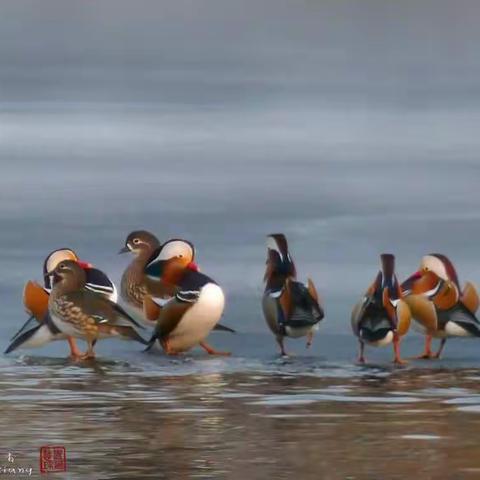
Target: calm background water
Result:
[350, 126]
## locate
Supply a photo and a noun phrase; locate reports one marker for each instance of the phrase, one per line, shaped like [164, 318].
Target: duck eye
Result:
[136, 241]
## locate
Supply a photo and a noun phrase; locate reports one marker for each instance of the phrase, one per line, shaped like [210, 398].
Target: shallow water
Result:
[253, 415]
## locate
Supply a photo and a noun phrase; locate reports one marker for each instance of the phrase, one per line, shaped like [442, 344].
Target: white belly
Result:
[41, 337]
[65, 327]
[199, 320]
[386, 340]
[298, 332]
[454, 330]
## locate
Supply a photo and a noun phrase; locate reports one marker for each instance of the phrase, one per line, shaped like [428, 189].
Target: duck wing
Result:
[35, 299]
[85, 303]
[372, 322]
[305, 309]
[470, 297]
[463, 317]
[99, 282]
[423, 311]
[172, 313]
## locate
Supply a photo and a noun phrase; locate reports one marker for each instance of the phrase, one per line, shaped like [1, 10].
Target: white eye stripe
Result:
[435, 265]
[272, 245]
[137, 241]
[176, 248]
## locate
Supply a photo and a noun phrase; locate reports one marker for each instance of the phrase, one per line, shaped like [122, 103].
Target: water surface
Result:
[252, 415]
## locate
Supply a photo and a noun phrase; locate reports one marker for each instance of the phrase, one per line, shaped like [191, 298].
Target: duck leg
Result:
[89, 354]
[396, 348]
[309, 339]
[361, 356]
[75, 352]
[427, 353]
[165, 343]
[283, 353]
[440, 350]
[212, 351]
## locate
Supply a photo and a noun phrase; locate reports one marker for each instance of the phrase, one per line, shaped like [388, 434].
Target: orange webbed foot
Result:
[212, 351]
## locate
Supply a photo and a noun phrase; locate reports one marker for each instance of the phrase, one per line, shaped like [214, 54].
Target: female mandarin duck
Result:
[35, 298]
[382, 316]
[439, 305]
[135, 284]
[185, 320]
[291, 309]
[79, 312]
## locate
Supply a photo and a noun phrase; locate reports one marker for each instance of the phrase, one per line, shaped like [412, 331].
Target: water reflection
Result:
[125, 422]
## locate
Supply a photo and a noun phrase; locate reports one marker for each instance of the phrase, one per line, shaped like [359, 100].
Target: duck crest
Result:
[451, 272]
[280, 265]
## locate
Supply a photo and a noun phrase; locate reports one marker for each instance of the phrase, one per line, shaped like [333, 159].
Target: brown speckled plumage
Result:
[89, 314]
[135, 284]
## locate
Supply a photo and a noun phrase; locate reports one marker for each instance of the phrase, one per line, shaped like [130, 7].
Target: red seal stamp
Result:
[53, 458]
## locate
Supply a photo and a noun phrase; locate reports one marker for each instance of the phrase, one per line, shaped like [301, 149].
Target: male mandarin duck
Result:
[79, 312]
[291, 309]
[140, 292]
[35, 299]
[439, 305]
[191, 314]
[382, 316]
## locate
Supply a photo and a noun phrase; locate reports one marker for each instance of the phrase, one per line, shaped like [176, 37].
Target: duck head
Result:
[280, 265]
[54, 258]
[171, 261]
[140, 242]
[434, 267]
[69, 274]
[387, 261]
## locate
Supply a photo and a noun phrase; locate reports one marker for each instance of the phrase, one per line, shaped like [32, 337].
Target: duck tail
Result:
[130, 333]
[152, 341]
[35, 337]
[223, 328]
[30, 319]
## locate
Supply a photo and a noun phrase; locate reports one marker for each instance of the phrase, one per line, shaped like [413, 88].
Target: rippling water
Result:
[252, 415]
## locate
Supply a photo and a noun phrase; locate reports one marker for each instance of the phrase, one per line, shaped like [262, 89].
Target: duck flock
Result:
[164, 299]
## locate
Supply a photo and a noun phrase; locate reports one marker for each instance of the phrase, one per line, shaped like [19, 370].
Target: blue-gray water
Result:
[350, 126]
[132, 415]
